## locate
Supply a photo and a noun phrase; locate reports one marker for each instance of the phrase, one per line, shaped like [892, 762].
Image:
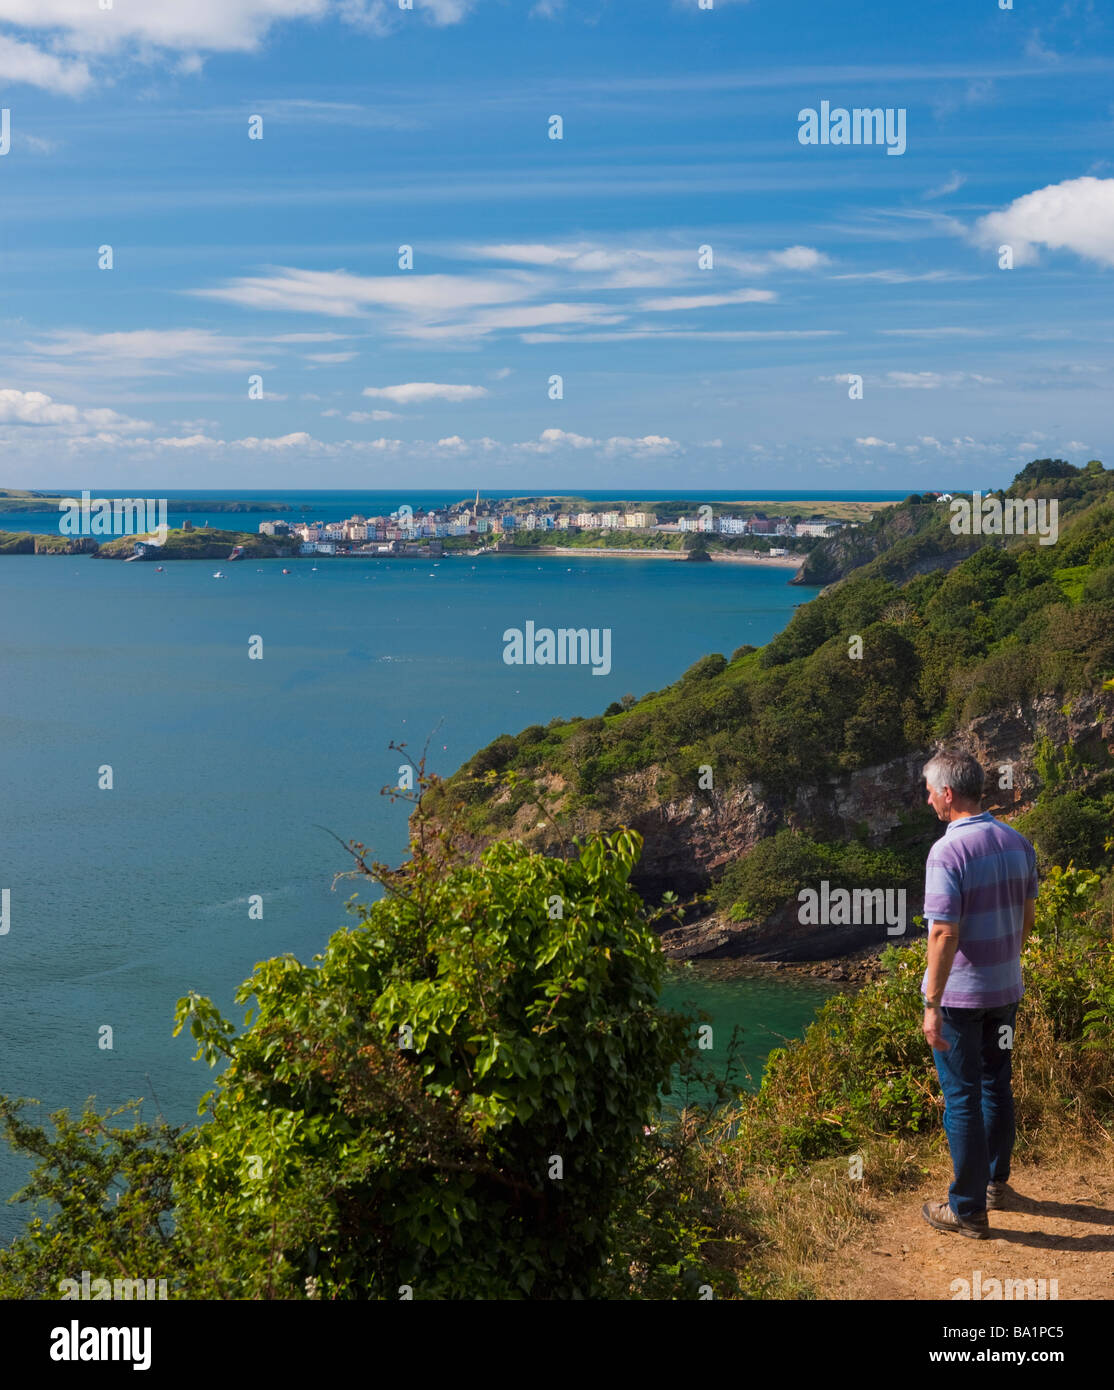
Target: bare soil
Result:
[1061, 1227]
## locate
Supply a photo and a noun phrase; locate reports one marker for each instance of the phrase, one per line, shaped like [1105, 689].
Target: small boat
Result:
[158, 569]
[286, 571]
[237, 553]
[218, 575]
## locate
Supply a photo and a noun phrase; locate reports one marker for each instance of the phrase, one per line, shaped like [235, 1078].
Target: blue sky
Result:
[533, 257]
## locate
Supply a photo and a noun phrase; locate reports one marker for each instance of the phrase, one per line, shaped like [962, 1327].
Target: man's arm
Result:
[943, 941]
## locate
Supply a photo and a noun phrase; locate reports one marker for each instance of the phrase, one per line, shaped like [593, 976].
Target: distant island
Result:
[19, 500]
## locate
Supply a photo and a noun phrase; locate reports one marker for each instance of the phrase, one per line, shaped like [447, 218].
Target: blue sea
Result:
[229, 774]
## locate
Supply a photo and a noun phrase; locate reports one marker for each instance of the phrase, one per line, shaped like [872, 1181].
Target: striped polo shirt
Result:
[980, 874]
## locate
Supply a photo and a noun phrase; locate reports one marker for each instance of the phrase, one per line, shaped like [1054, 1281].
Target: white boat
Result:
[218, 575]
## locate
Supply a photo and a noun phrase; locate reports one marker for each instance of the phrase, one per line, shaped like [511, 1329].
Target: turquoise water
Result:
[750, 1011]
[228, 773]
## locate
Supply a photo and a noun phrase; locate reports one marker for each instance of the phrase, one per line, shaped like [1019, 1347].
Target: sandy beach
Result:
[718, 556]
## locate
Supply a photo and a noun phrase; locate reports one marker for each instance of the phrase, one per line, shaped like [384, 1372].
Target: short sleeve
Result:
[943, 897]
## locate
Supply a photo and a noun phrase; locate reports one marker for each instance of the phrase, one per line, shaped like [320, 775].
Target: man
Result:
[980, 902]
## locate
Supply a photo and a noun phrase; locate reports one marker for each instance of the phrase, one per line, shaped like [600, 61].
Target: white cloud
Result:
[215, 25]
[326, 357]
[146, 351]
[798, 258]
[381, 16]
[575, 441]
[902, 277]
[417, 392]
[1077, 215]
[952, 184]
[190, 441]
[23, 62]
[706, 301]
[38, 409]
[298, 440]
[870, 442]
[931, 381]
[338, 293]
[634, 267]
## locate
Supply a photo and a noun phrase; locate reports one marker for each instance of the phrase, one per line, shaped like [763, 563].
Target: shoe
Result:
[940, 1215]
[999, 1196]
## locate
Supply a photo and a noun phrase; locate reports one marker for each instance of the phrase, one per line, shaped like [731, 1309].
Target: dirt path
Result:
[1062, 1230]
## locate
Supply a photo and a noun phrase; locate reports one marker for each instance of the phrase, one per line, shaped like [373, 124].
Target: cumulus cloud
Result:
[1077, 216]
[870, 442]
[38, 409]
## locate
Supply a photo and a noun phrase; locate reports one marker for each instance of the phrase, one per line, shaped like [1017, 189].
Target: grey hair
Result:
[958, 770]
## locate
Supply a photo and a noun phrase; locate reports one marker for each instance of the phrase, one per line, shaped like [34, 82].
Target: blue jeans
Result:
[978, 1103]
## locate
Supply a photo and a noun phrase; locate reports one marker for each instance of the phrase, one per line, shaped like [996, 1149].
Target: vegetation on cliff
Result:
[1013, 621]
[203, 543]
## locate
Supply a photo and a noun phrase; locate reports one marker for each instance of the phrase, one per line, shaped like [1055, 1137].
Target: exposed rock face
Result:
[688, 842]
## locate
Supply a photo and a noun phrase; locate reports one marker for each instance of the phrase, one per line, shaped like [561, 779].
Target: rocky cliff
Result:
[689, 841]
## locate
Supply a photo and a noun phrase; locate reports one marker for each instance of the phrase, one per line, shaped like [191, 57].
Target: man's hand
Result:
[932, 1027]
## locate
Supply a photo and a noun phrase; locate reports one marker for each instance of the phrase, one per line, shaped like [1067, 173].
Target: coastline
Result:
[731, 557]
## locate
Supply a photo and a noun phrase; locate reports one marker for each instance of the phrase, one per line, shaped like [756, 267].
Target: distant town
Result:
[487, 523]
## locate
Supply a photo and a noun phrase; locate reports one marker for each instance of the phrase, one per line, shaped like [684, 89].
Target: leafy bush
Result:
[451, 1098]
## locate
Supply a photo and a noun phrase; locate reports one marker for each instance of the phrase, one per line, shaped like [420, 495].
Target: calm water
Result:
[226, 770]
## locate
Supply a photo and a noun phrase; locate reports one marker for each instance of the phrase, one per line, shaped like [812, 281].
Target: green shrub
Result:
[451, 1098]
